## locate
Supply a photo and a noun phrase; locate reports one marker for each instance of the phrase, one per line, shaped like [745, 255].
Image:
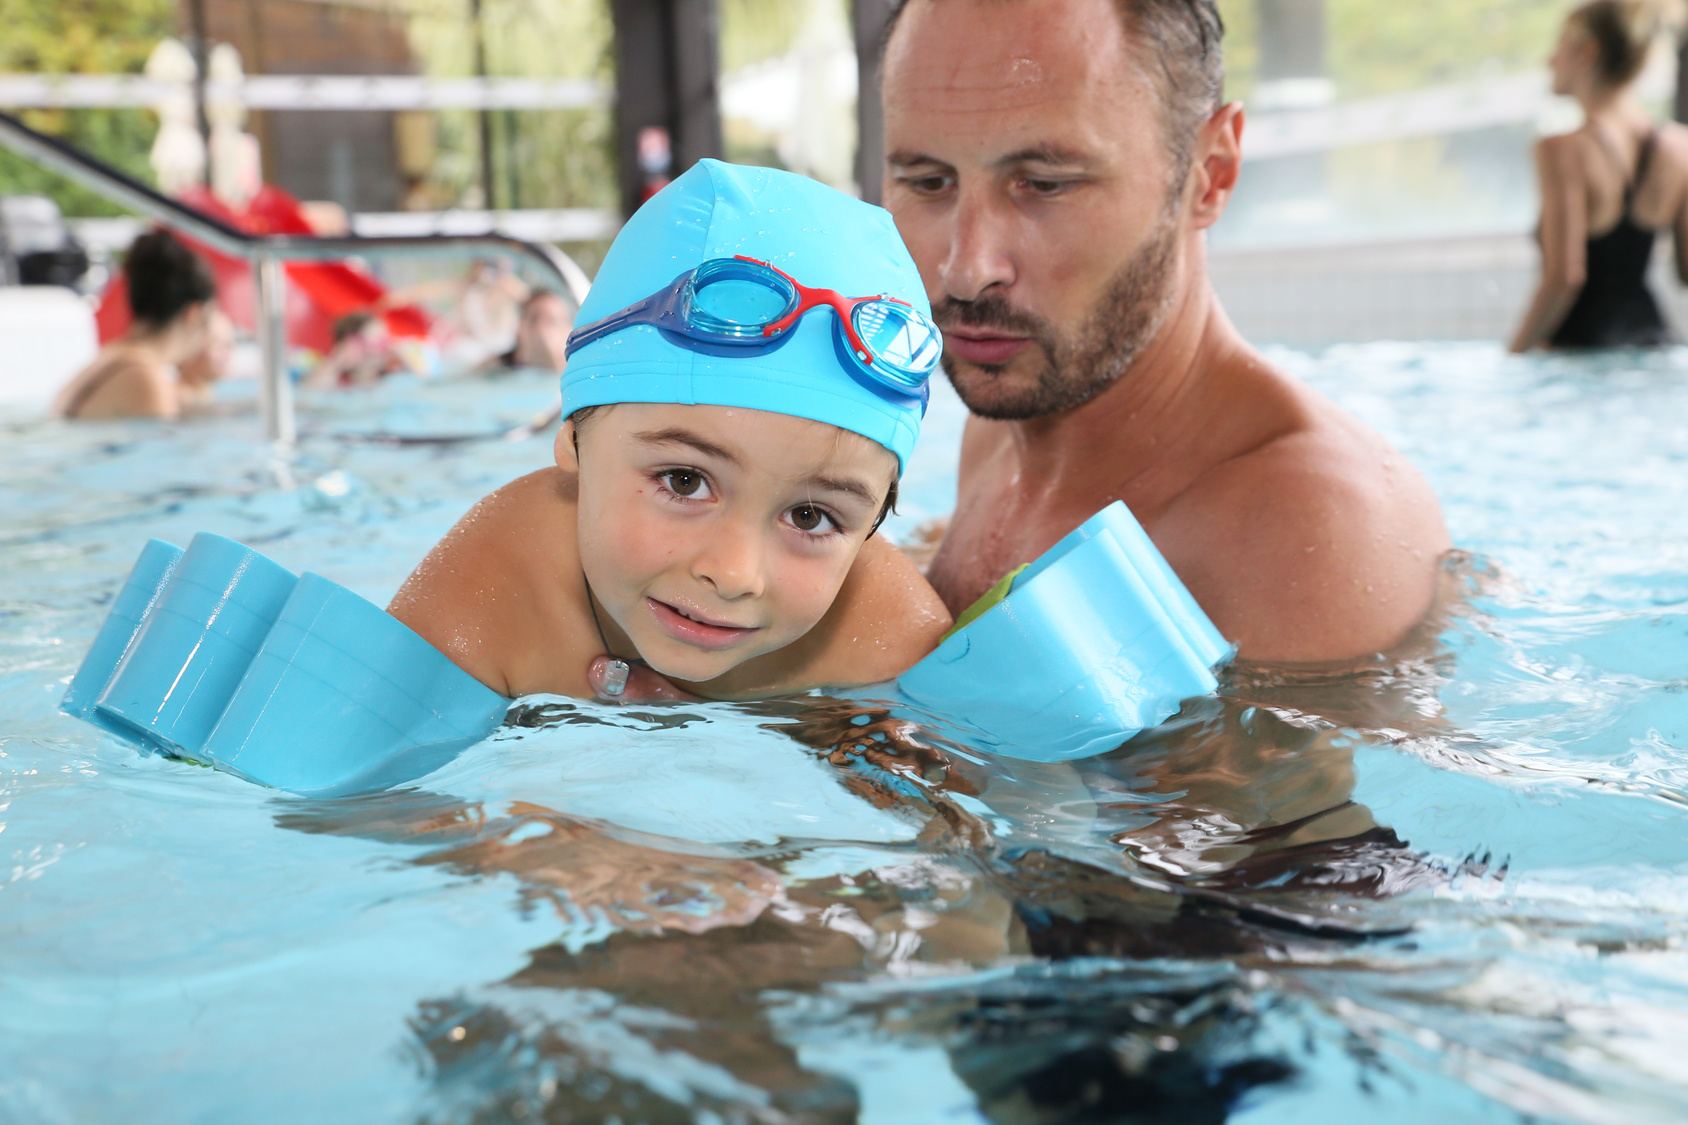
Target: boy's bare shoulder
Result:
[888, 618]
[501, 593]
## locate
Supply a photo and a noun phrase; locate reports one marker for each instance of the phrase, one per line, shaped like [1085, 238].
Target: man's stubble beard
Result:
[1076, 369]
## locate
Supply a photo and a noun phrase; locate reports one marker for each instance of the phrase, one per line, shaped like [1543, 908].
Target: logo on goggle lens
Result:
[905, 343]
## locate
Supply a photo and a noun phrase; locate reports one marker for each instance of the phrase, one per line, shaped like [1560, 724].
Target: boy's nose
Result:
[730, 560]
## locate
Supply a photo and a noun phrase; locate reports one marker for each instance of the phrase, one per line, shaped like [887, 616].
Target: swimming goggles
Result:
[746, 303]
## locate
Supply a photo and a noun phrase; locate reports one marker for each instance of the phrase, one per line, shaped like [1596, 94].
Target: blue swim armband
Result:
[218, 655]
[1094, 642]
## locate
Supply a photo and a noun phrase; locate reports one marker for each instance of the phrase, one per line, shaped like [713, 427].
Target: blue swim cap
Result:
[819, 236]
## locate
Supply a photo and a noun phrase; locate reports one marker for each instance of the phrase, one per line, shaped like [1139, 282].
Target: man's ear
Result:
[1217, 165]
[567, 453]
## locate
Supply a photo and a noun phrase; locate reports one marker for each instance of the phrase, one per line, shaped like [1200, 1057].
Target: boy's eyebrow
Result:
[674, 435]
[849, 487]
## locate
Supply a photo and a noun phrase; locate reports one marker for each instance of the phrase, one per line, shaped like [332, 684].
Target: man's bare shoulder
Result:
[501, 593]
[1321, 543]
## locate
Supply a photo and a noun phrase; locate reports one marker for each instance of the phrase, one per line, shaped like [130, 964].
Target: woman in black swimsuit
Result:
[1620, 175]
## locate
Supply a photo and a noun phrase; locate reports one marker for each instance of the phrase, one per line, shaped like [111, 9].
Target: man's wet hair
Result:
[164, 278]
[1180, 43]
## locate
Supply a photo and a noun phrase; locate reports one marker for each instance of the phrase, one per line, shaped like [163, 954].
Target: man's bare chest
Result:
[1003, 519]
[988, 537]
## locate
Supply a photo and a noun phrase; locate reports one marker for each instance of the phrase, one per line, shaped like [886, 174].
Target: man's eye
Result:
[807, 517]
[686, 482]
[927, 185]
[1045, 187]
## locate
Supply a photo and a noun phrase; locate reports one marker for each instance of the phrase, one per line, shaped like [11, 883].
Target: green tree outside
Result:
[82, 37]
[542, 158]
[1384, 46]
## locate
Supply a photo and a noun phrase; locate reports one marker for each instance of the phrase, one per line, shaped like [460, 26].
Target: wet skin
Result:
[137, 376]
[731, 549]
[1027, 160]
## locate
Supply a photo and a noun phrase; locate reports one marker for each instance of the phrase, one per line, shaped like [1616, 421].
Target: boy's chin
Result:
[693, 667]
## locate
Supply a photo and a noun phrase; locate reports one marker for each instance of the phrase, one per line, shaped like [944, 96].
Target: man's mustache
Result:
[988, 312]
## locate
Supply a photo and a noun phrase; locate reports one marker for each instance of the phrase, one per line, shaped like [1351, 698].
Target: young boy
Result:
[741, 399]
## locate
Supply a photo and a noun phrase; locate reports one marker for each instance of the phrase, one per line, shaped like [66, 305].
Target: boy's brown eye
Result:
[683, 482]
[806, 518]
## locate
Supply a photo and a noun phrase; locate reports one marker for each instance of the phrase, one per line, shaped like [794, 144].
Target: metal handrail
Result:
[267, 252]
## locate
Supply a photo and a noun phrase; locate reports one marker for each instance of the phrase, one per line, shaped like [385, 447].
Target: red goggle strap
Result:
[808, 298]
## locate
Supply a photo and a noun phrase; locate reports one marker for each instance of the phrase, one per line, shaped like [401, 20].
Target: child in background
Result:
[363, 353]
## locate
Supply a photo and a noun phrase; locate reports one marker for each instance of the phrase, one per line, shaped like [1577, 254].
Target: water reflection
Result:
[705, 982]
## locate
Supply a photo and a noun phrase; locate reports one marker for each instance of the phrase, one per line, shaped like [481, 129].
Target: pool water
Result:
[1449, 885]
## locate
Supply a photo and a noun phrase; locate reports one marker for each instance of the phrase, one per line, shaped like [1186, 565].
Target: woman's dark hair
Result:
[1623, 31]
[580, 416]
[164, 278]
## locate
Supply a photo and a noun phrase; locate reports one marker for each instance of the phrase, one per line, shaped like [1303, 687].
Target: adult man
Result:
[1053, 164]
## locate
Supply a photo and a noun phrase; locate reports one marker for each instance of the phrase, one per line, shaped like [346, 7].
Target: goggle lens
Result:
[905, 345]
[734, 299]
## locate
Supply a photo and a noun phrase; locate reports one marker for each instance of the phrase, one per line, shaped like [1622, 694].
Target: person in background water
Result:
[363, 354]
[485, 311]
[208, 365]
[488, 310]
[1607, 189]
[171, 294]
[541, 335]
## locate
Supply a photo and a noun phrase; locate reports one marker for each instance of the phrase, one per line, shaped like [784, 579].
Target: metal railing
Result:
[266, 253]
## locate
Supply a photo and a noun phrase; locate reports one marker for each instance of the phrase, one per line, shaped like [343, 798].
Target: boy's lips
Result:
[694, 627]
[983, 347]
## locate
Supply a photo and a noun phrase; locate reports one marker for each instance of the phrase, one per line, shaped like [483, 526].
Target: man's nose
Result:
[730, 560]
[978, 253]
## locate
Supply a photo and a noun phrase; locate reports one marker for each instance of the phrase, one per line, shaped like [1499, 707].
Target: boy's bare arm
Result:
[501, 593]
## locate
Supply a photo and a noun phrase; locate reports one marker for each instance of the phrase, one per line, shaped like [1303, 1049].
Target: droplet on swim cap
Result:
[822, 237]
